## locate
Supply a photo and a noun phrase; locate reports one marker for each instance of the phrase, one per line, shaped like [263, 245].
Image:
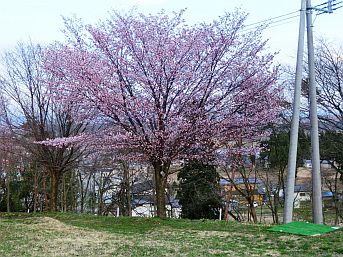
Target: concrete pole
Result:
[292, 155]
[317, 208]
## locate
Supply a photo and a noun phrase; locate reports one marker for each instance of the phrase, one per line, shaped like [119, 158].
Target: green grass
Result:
[66, 234]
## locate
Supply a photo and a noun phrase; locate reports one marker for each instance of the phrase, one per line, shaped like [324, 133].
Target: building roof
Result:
[149, 199]
[301, 188]
[327, 194]
[238, 181]
[142, 187]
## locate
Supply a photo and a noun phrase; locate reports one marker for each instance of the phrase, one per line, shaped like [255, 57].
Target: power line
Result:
[270, 19]
[325, 7]
[285, 19]
[277, 23]
[284, 23]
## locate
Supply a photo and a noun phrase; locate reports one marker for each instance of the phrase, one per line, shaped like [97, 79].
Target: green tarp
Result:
[303, 228]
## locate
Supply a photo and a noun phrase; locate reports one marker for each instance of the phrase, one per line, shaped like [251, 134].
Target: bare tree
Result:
[11, 156]
[31, 115]
[329, 79]
[242, 175]
[84, 178]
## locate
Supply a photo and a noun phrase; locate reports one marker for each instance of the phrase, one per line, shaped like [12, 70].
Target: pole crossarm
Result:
[327, 7]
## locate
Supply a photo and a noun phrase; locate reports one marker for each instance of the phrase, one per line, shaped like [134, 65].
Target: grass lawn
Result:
[61, 234]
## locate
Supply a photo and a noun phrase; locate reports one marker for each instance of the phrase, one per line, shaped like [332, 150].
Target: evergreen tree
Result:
[199, 191]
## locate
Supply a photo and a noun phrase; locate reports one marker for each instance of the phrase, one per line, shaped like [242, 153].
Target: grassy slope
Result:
[86, 235]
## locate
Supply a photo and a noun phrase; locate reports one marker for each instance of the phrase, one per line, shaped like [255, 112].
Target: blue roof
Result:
[327, 194]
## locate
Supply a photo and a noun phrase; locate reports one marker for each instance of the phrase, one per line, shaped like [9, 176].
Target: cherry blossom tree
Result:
[165, 90]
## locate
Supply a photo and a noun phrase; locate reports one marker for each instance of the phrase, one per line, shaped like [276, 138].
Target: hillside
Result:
[86, 235]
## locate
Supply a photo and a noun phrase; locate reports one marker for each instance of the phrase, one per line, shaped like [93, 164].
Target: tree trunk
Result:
[127, 190]
[93, 195]
[84, 190]
[64, 192]
[253, 214]
[45, 194]
[338, 213]
[160, 175]
[8, 193]
[82, 196]
[55, 176]
[101, 195]
[252, 209]
[35, 197]
[276, 207]
[73, 191]
[101, 202]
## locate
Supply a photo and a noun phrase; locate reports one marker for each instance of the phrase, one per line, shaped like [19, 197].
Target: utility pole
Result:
[317, 208]
[327, 7]
[292, 155]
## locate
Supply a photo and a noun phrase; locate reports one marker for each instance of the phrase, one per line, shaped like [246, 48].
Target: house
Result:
[302, 193]
[240, 182]
[324, 164]
[308, 164]
[143, 201]
[146, 208]
[255, 186]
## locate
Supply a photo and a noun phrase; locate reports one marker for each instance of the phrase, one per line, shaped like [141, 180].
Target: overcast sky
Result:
[41, 20]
